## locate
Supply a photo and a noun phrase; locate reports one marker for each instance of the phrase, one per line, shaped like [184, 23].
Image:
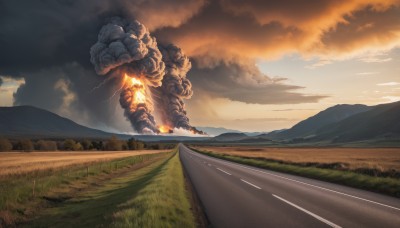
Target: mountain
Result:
[310, 126]
[32, 122]
[231, 136]
[380, 122]
[217, 130]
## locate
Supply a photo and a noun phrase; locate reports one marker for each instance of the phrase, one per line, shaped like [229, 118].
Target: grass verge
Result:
[385, 185]
[164, 202]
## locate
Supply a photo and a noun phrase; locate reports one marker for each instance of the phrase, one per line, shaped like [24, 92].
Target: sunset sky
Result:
[256, 65]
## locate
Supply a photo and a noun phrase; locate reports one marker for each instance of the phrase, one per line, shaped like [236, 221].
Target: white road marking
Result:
[300, 182]
[224, 171]
[250, 184]
[308, 212]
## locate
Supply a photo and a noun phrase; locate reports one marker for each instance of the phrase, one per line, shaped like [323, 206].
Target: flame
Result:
[135, 81]
[164, 129]
[138, 87]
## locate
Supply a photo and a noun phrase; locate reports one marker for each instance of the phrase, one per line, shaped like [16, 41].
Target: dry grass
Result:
[19, 163]
[383, 159]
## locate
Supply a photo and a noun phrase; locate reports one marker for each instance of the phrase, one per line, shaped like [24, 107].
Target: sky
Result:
[255, 65]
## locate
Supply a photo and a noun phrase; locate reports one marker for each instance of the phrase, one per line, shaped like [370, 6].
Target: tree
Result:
[133, 144]
[69, 144]
[25, 145]
[5, 145]
[46, 145]
[113, 144]
[98, 145]
[78, 146]
[87, 145]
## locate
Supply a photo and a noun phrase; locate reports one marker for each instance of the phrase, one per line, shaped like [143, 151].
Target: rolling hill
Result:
[35, 123]
[217, 130]
[230, 136]
[310, 126]
[32, 122]
[380, 122]
[337, 124]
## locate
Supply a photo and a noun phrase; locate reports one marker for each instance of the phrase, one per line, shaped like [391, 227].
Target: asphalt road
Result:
[235, 195]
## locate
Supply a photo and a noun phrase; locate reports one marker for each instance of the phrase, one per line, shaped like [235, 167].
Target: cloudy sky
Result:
[257, 65]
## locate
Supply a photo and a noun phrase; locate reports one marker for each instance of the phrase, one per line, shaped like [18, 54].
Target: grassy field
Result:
[316, 170]
[370, 161]
[21, 163]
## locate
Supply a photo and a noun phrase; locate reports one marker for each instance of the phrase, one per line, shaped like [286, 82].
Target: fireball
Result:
[137, 87]
[164, 129]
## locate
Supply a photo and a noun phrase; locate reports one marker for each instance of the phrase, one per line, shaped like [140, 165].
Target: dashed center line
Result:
[224, 171]
[311, 185]
[250, 184]
[308, 212]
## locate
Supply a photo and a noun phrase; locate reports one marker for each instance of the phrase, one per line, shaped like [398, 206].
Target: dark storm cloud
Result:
[244, 82]
[49, 87]
[32, 92]
[37, 34]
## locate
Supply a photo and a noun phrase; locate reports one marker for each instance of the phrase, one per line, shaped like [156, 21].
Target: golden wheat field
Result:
[379, 158]
[22, 162]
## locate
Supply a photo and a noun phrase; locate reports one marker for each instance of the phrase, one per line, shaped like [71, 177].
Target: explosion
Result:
[148, 75]
[137, 86]
[165, 129]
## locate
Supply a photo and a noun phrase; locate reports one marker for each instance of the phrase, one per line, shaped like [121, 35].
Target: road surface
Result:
[235, 195]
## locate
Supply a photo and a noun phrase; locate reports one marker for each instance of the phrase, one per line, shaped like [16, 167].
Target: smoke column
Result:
[128, 49]
[147, 71]
[175, 87]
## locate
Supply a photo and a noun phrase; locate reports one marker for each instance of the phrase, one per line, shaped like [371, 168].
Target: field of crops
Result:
[20, 163]
[383, 159]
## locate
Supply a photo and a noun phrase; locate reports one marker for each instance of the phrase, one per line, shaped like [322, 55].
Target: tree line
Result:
[111, 144]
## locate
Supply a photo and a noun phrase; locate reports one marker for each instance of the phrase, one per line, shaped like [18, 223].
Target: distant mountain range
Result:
[310, 126]
[378, 122]
[240, 137]
[32, 122]
[337, 124]
[213, 131]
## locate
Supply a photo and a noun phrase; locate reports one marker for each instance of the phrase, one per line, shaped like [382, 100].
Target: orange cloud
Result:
[270, 29]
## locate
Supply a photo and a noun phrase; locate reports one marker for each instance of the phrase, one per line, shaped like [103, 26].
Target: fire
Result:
[138, 87]
[164, 129]
[135, 81]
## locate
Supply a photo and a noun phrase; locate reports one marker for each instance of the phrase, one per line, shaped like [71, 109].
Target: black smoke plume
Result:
[128, 49]
[175, 87]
